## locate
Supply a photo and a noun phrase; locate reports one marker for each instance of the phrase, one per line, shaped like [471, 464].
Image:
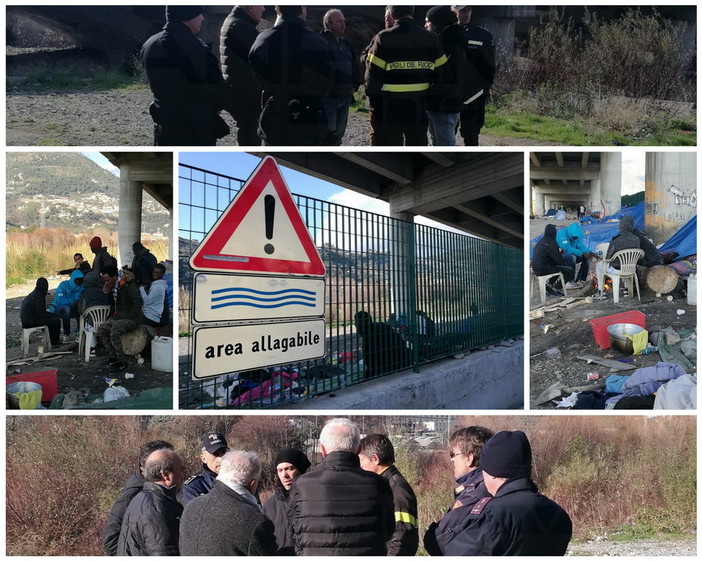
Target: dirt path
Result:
[644, 547]
[121, 118]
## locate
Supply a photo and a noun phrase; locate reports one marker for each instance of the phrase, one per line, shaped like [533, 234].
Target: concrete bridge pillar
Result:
[401, 239]
[611, 181]
[539, 203]
[671, 197]
[595, 195]
[129, 229]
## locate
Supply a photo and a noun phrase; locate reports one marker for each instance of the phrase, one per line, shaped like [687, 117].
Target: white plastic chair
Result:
[95, 315]
[627, 271]
[26, 332]
[543, 281]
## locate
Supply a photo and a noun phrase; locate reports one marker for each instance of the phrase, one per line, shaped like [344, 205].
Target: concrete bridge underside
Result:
[478, 193]
[138, 172]
[571, 179]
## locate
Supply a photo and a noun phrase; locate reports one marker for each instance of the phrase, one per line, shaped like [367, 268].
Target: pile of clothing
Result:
[664, 386]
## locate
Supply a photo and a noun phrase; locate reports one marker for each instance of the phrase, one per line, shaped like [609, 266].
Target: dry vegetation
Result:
[611, 473]
[43, 252]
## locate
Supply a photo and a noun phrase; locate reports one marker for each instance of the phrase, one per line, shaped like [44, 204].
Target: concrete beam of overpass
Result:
[568, 174]
[458, 184]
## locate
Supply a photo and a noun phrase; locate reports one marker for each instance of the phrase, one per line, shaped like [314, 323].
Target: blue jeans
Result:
[65, 313]
[442, 127]
[336, 108]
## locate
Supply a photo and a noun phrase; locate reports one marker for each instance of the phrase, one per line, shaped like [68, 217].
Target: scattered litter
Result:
[608, 356]
[567, 402]
[680, 311]
[669, 298]
[649, 349]
[546, 327]
[552, 352]
[115, 393]
[593, 376]
[128, 375]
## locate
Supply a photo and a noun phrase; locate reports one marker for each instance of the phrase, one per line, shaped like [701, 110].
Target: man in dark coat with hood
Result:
[142, 264]
[625, 240]
[341, 509]
[515, 520]
[33, 312]
[186, 82]
[294, 67]
[237, 36]
[289, 464]
[384, 350]
[547, 259]
[466, 445]
[134, 485]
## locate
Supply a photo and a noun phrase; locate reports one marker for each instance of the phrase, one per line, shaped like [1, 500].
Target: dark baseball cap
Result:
[213, 442]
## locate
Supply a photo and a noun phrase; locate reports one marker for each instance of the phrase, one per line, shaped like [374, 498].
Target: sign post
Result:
[258, 297]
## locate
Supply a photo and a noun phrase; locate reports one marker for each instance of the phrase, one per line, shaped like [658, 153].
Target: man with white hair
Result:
[340, 509]
[228, 521]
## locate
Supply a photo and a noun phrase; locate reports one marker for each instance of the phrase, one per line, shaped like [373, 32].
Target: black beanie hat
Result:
[507, 454]
[183, 13]
[295, 457]
[441, 16]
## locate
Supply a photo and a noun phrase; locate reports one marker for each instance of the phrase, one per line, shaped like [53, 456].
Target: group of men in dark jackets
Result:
[355, 502]
[288, 85]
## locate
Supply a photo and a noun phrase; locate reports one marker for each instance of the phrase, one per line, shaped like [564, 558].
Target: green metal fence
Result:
[397, 295]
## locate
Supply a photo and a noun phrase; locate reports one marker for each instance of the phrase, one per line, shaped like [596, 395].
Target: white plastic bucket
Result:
[162, 354]
[692, 289]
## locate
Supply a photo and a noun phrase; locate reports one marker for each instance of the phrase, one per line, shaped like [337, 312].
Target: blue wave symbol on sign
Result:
[241, 296]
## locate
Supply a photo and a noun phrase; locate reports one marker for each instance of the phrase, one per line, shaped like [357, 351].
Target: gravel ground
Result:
[570, 332]
[73, 372]
[645, 547]
[121, 118]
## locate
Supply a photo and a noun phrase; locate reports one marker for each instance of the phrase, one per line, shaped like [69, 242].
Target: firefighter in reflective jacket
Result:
[402, 64]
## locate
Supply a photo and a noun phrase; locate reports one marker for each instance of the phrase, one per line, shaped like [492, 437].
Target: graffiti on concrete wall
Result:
[662, 211]
[682, 197]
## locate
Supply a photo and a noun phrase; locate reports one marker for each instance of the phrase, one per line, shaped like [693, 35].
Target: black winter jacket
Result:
[113, 525]
[481, 56]
[293, 66]
[33, 309]
[403, 61]
[143, 266]
[186, 82]
[93, 295]
[448, 95]
[405, 539]
[236, 38]
[222, 523]
[102, 259]
[129, 303]
[517, 521]
[151, 523]
[546, 253]
[341, 510]
[277, 509]
[347, 73]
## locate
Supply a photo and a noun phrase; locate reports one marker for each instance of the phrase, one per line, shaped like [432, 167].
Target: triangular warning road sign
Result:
[260, 231]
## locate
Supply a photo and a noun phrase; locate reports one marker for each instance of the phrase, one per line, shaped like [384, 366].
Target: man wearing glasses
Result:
[465, 444]
[214, 447]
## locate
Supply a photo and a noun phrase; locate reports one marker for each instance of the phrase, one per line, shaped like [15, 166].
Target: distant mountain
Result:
[68, 190]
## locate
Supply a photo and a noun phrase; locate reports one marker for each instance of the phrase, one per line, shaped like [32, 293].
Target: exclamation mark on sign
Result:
[269, 208]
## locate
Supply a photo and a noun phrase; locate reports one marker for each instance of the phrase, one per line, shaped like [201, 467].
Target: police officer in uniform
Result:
[402, 64]
[214, 447]
[481, 54]
[186, 82]
[515, 520]
[465, 445]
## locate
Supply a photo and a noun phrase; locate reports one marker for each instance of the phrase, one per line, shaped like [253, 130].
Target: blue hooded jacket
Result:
[570, 240]
[68, 292]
